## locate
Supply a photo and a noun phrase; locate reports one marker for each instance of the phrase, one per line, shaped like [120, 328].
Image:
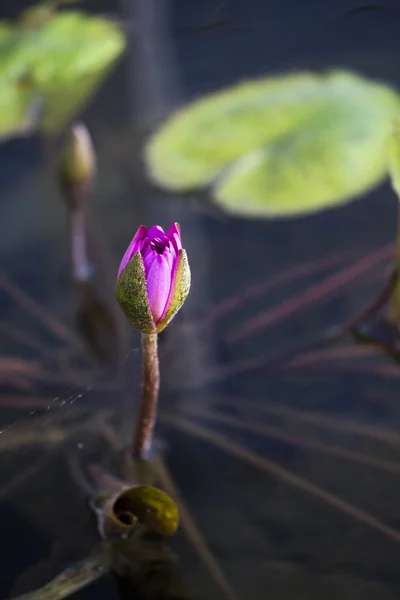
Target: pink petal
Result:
[144, 245]
[171, 289]
[148, 258]
[174, 235]
[158, 286]
[155, 231]
[169, 257]
[160, 242]
[133, 247]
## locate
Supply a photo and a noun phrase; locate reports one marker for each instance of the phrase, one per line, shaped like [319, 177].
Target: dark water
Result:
[290, 474]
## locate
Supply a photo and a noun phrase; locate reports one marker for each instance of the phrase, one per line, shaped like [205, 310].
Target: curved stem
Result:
[150, 387]
[71, 580]
[80, 263]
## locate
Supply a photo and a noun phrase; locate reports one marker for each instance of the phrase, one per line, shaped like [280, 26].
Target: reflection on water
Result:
[283, 454]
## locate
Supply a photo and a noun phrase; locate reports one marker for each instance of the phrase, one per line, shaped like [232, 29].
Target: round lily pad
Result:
[64, 59]
[280, 146]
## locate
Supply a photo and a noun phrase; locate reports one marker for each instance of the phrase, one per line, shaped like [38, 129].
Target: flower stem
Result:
[150, 386]
[80, 263]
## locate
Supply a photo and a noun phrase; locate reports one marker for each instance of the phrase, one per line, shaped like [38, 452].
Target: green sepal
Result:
[132, 295]
[179, 292]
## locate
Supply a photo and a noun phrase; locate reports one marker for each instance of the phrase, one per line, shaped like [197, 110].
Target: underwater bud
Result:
[153, 278]
[77, 166]
[121, 509]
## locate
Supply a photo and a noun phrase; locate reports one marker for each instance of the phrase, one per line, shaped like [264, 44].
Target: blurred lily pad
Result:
[280, 146]
[60, 62]
[20, 108]
[394, 157]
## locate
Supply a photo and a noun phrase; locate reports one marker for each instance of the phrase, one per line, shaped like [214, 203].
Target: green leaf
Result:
[18, 109]
[393, 309]
[279, 146]
[394, 157]
[64, 60]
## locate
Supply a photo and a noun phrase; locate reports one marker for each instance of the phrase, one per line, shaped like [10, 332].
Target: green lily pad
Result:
[64, 60]
[280, 146]
[18, 109]
[394, 157]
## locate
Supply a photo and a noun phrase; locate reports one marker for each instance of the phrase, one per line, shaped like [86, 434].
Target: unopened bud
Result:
[78, 166]
[153, 278]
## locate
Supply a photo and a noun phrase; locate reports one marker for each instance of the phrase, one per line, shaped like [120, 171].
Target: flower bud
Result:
[153, 278]
[78, 166]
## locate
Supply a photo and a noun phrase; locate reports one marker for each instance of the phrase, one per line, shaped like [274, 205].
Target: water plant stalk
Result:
[143, 436]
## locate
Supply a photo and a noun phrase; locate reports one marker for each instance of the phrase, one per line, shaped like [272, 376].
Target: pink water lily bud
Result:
[153, 278]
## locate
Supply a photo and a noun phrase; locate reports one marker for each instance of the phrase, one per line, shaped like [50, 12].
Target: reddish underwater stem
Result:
[150, 387]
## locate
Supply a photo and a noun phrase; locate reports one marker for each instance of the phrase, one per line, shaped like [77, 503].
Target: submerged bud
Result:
[153, 278]
[78, 165]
